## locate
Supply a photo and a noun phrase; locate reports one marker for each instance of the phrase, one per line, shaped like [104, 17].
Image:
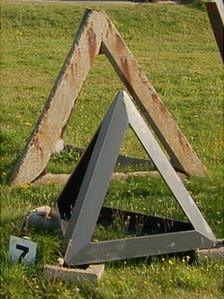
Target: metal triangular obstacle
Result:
[80, 204]
[98, 35]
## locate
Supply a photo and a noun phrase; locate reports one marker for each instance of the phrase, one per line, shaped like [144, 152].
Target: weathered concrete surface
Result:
[61, 179]
[51, 178]
[149, 102]
[92, 273]
[216, 254]
[97, 33]
[119, 176]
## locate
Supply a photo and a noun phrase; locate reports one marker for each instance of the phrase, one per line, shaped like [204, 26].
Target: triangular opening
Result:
[142, 194]
[130, 205]
[81, 201]
[83, 123]
[93, 101]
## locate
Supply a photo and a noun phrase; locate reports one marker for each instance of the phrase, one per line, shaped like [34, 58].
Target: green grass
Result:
[175, 46]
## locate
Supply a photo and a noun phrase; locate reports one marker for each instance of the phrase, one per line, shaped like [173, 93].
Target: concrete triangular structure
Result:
[80, 203]
[98, 35]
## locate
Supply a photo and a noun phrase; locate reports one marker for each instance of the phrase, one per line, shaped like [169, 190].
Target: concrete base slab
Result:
[215, 254]
[61, 179]
[92, 273]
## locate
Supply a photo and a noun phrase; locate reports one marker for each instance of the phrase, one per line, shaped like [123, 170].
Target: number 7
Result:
[24, 249]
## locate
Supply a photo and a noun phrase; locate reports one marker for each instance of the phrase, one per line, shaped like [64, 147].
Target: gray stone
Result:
[92, 273]
[42, 218]
[216, 254]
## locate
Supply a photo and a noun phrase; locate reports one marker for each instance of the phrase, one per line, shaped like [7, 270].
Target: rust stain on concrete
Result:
[37, 146]
[125, 69]
[119, 44]
[182, 142]
[91, 38]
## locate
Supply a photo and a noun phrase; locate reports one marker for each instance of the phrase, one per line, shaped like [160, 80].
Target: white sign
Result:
[22, 250]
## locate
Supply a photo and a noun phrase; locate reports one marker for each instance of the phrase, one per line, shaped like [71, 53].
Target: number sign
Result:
[22, 250]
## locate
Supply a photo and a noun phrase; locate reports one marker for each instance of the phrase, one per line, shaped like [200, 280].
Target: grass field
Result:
[175, 46]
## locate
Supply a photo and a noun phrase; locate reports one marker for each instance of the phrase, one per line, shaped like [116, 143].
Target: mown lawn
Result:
[176, 48]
